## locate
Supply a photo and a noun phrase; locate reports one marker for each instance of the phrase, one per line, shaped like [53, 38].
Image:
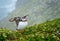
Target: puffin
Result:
[21, 23]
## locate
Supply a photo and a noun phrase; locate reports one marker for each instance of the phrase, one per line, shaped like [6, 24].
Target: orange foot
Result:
[21, 30]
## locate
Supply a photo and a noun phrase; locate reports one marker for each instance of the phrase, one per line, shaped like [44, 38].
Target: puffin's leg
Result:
[21, 30]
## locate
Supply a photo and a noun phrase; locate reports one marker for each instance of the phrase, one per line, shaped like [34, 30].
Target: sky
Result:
[6, 6]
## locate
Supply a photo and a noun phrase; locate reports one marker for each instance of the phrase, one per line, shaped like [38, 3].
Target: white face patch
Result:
[23, 19]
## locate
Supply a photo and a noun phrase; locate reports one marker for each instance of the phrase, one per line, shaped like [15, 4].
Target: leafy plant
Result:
[48, 31]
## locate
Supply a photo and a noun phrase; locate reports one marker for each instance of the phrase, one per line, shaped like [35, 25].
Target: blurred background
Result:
[39, 11]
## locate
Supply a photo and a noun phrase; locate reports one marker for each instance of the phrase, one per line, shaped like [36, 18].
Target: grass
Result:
[48, 31]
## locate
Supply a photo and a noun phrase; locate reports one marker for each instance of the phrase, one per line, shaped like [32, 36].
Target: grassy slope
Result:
[48, 31]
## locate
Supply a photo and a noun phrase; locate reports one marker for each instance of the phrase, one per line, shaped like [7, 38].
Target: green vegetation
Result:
[48, 31]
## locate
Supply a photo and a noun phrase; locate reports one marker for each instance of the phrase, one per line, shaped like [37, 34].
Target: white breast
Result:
[22, 25]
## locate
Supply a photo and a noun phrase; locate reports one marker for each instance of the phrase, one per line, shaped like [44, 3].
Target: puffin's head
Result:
[24, 18]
